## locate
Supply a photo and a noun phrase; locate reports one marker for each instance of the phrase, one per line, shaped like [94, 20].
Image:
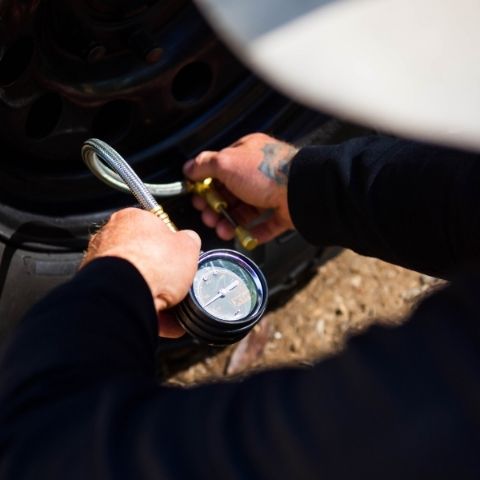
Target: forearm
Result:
[380, 408]
[93, 411]
[100, 323]
[404, 202]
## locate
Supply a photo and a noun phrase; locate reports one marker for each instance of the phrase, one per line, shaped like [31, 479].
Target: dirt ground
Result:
[348, 294]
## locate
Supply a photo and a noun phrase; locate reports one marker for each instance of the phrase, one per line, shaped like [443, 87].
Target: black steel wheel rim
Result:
[149, 77]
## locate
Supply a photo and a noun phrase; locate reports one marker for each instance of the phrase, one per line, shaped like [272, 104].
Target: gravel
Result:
[347, 295]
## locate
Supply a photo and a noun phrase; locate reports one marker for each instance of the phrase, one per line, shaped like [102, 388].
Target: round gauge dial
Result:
[225, 290]
[227, 299]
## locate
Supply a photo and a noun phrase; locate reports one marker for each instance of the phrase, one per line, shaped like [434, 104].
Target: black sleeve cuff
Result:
[303, 191]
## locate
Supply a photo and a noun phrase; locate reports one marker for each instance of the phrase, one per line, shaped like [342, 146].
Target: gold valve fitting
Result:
[245, 238]
[163, 216]
[206, 190]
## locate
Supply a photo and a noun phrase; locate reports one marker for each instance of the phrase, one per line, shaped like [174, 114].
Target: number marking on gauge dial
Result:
[224, 292]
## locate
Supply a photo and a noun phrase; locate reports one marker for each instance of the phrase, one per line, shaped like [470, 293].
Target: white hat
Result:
[411, 67]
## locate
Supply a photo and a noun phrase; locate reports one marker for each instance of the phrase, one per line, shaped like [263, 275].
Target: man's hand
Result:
[254, 171]
[167, 261]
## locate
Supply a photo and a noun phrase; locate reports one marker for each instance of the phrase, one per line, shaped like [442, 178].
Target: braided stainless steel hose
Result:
[94, 152]
[111, 177]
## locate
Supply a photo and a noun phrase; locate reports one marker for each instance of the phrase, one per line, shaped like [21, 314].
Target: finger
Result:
[225, 231]
[204, 165]
[194, 236]
[210, 218]
[244, 214]
[168, 326]
[267, 231]
[199, 203]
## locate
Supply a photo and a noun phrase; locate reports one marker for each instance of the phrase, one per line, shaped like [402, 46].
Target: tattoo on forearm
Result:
[276, 162]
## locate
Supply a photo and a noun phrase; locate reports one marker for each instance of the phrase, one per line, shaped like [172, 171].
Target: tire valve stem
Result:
[218, 204]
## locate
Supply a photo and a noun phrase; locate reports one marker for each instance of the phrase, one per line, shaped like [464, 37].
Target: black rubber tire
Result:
[49, 203]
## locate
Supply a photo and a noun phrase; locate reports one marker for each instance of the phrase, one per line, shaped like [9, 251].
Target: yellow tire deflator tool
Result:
[218, 204]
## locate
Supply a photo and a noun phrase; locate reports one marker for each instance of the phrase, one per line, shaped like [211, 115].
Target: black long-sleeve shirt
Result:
[78, 398]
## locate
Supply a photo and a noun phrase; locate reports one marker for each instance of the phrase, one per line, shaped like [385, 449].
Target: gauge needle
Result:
[222, 292]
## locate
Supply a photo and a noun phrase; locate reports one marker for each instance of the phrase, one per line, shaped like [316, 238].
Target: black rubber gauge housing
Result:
[217, 326]
[150, 78]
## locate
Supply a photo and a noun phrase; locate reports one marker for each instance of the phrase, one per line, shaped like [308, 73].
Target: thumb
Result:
[203, 166]
[194, 236]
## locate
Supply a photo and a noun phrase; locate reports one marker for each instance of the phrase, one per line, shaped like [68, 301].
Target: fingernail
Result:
[193, 235]
[187, 167]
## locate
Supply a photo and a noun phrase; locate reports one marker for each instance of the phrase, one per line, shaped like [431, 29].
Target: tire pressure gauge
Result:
[227, 298]
[229, 292]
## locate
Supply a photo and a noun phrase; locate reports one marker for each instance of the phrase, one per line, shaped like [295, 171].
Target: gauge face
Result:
[225, 290]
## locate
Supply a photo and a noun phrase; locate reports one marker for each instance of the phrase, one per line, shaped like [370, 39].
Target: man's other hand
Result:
[167, 260]
[254, 171]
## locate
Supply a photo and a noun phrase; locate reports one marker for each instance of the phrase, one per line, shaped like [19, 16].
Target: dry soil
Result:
[347, 295]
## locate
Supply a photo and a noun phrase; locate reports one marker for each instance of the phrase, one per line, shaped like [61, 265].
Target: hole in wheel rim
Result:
[192, 82]
[113, 120]
[44, 116]
[15, 61]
